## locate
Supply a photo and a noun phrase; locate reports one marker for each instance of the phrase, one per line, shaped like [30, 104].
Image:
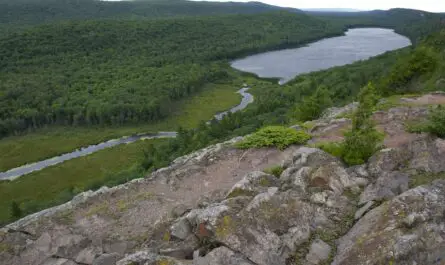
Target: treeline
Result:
[416, 69]
[40, 11]
[111, 72]
[414, 24]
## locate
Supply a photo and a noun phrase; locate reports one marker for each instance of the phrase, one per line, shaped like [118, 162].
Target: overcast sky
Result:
[428, 5]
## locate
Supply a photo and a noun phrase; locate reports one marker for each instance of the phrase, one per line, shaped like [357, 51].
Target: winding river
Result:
[355, 45]
[14, 173]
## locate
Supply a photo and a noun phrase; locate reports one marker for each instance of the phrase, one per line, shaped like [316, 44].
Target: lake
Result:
[355, 45]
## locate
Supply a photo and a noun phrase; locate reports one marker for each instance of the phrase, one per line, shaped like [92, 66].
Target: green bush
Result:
[360, 145]
[363, 140]
[278, 136]
[421, 61]
[276, 171]
[333, 148]
[434, 125]
[312, 107]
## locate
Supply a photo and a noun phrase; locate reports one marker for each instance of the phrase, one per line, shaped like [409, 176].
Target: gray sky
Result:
[428, 5]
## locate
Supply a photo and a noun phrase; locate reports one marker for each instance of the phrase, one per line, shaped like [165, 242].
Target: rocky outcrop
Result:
[217, 206]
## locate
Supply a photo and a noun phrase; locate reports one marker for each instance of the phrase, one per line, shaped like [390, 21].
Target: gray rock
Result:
[180, 210]
[181, 250]
[181, 229]
[294, 237]
[261, 198]
[106, 259]
[426, 155]
[363, 210]
[56, 261]
[297, 180]
[387, 160]
[120, 247]
[332, 177]
[318, 252]
[305, 156]
[358, 171]
[148, 258]
[208, 216]
[87, 255]
[387, 186]
[382, 235]
[334, 112]
[222, 256]
[68, 245]
[253, 183]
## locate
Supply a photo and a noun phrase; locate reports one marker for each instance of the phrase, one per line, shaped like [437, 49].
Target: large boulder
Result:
[386, 187]
[306, 156]
[149, 258]
[408, 229]
[253, 183]
[222, 256]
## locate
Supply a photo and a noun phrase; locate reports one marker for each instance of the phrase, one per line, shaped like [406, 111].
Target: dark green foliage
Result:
[333, 148]
[115, 72]
[276, 171]
[312, 107]
[436, 120]
[15, 210]
[434, 125]
[40, 11]
[363, 140]
[421, 61]
[277, 136]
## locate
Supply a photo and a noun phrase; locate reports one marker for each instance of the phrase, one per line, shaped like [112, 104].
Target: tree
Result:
[311, 108]
[363, 140]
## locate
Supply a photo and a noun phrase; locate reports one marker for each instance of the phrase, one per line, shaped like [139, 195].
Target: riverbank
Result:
[54, 141]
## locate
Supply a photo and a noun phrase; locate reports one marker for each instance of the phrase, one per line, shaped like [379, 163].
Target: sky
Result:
[427, 5]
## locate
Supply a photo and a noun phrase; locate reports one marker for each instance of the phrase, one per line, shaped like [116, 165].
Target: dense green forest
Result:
[414, 24]
[108, 65]
[19, 12]
[406, 71]
[112, 72]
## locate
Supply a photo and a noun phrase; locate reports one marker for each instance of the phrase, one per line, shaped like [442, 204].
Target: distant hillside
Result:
[331, 10]
[415, 24]
[38, 11]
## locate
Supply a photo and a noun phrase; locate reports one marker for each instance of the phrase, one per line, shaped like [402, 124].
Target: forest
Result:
[115, 72]
[129, 71]
[29, 12]
[70, 65]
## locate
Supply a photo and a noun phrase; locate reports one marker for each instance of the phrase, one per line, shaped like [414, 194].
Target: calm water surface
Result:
[357, 44]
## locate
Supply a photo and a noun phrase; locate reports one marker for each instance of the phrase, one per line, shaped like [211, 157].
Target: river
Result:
[14, 173]
[355, 45]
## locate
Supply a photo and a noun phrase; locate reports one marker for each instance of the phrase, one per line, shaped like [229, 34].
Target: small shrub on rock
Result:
[363, 140]
[274, 136]
[434, 125]
[276, 171]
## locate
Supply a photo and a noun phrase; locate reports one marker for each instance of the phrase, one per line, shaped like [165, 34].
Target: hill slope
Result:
[111, 72]
[40, 11]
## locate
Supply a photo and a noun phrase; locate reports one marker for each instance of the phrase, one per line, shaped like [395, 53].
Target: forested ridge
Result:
[111, 72]
[39, 11]
[415, 24]
[124, 70]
